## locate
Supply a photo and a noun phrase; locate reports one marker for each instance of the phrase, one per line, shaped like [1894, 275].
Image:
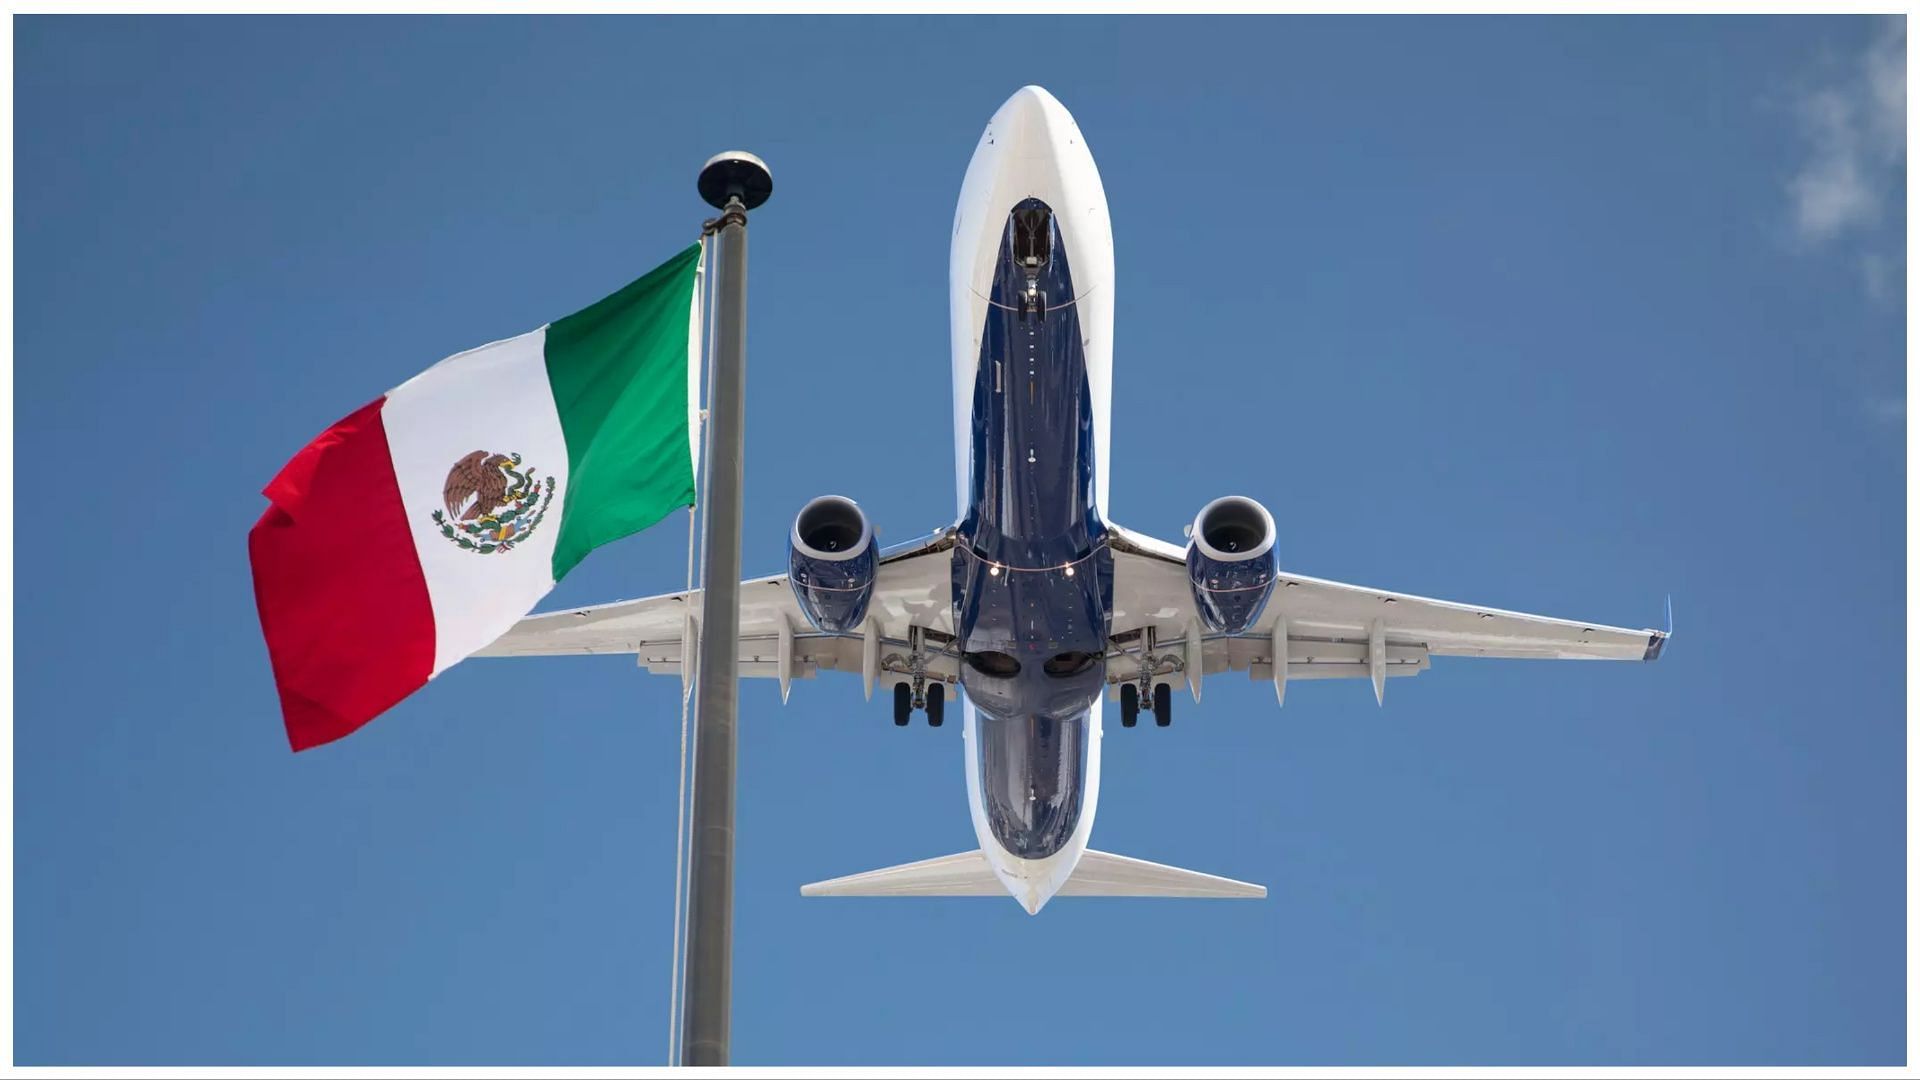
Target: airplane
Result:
[1034, 602]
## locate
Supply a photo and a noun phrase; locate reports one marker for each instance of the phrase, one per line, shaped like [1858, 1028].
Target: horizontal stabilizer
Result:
[1097, 874]
[1101, 874]
[965, 874]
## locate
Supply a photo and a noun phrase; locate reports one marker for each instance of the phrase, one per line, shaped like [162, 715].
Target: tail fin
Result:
[1097, 874]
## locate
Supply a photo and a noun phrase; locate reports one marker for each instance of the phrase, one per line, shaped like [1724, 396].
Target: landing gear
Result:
[1161, 704]
[920, 692]
[933, 699]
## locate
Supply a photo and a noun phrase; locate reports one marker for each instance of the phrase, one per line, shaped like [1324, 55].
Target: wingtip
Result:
[1657, 639]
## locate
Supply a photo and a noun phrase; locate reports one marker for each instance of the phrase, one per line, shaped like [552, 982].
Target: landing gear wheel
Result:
[1163, 704]
[1129, 704]
[936, 704]
[1040, 306]
[1023, 307]
[902, 704]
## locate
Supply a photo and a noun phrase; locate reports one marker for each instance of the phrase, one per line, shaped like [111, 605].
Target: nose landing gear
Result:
[1032, 251]
[1033, 301]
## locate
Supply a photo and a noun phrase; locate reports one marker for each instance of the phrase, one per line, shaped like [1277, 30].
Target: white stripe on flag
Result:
[496, 399]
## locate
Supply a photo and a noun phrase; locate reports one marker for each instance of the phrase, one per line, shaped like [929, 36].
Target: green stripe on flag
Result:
[619, 375]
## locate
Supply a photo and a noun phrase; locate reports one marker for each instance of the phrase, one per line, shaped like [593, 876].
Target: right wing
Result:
[912, 586]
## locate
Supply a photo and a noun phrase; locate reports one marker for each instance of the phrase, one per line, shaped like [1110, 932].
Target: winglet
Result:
[1656, 640]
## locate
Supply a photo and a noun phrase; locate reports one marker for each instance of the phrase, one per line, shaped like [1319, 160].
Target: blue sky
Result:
[1559, 316]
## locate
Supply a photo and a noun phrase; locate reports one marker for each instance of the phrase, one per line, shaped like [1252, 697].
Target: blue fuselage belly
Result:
[1032, 574]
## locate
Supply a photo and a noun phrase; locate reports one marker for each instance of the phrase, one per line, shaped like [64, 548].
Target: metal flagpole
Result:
[703, 297]
[735, 182]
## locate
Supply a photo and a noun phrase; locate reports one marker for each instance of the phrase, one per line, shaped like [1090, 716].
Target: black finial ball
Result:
[735, 172]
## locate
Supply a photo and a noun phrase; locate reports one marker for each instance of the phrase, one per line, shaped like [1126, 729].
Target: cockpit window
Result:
[1068, 663]
[996, 664]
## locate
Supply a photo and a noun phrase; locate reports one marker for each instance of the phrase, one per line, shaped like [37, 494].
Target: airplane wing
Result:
[1331, 629]
[912, 586]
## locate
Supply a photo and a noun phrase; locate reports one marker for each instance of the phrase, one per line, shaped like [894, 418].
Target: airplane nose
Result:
[1030, 97]
[1030, 122]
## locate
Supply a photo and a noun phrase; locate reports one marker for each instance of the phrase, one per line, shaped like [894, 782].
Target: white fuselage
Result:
[1032, 149]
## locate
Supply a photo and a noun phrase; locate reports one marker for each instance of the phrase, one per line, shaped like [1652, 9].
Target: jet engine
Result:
[1230, 563]
[831, 562]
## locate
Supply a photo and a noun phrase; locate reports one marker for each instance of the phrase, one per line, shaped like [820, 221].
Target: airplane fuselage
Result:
[1032, 294]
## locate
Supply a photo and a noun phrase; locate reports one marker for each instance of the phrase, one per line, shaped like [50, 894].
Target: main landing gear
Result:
[932, 698]
[919, 694]
[1157, 697]
[1160, 703]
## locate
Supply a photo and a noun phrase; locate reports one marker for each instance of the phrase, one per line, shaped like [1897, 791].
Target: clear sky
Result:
[1559, 316]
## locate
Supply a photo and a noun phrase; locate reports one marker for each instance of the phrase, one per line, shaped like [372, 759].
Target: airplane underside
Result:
[1035, 603]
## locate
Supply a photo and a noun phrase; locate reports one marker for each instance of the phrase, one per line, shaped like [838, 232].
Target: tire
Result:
[936, 704]
[1129, 704]
[902, 704]
[1163, 704]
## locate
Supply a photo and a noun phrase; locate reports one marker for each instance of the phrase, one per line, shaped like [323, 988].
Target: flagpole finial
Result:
[735, 174]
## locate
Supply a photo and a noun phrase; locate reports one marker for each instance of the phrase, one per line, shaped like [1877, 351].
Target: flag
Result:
[425, 524]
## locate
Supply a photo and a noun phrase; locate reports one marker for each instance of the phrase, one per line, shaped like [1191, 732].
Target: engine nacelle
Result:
[830, 563]
[1231, 563]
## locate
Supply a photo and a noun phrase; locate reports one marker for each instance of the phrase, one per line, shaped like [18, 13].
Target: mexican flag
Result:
[425, 524]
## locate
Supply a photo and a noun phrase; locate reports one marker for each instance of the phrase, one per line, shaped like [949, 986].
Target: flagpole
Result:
[734, 182]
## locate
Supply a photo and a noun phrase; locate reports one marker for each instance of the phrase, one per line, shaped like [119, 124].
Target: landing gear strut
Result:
[918, 694]
[1158, 698]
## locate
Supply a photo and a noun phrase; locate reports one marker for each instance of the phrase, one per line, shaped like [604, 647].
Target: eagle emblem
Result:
[491, 505]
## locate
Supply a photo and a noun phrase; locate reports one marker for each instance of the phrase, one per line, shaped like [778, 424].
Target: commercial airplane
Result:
[1034, 602]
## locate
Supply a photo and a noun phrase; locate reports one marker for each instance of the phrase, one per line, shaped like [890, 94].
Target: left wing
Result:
[912, 586]
[1331, 629]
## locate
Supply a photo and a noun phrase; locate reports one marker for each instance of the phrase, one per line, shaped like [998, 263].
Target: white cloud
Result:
[1848, 196]
[1857, 131]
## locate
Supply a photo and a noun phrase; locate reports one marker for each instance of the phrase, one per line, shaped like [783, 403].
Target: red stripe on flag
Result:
[342, 600]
